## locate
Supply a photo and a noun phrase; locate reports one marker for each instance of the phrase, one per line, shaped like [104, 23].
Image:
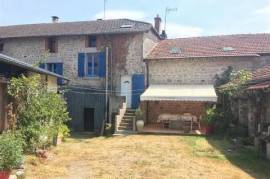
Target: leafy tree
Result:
[230, 85]
[40, 114]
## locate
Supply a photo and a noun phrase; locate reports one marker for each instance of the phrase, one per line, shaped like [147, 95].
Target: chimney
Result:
[163, 35]
[157, 23]
[55, 19]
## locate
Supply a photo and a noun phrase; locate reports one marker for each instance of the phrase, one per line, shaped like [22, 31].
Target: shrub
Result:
[11, 151]
[210, 116]
[40, 113]
[139, 114]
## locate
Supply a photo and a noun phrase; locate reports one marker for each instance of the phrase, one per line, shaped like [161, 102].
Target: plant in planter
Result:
[11, 154]
[139, 120]
[209, 119]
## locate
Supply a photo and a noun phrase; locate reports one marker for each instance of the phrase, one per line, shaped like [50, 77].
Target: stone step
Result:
[125, 128]
[128, 118]
[130, 110]
[129, 114]
[125, 124]
[124, 132]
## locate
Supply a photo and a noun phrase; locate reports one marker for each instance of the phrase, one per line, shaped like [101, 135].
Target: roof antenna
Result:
[167, 10]
[104, 8]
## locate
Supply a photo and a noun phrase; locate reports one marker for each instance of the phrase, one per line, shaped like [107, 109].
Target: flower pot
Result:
[209, 130]
[5, 174]
[140, 125]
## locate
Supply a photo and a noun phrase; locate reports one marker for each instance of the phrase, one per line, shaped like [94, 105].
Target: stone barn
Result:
[182, 74]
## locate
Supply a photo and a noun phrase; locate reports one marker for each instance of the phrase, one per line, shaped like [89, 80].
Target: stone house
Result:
[258, 109]
[97, 56]
[11, 67]
[182, 74]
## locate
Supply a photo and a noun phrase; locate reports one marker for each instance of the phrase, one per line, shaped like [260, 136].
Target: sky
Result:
[192, 18]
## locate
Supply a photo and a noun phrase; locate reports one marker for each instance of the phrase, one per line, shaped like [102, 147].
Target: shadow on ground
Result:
[244, 157]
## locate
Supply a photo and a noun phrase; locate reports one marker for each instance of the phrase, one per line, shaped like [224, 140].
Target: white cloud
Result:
[117, 14]
[178, 30]
[263, 11]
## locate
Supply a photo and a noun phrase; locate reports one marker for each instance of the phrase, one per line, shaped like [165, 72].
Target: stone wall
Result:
[196, 70]
[3, 103]
[267, 107]
[126, 51]
[150, 40]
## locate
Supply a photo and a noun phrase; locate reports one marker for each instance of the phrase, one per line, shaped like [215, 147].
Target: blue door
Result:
[138, 87]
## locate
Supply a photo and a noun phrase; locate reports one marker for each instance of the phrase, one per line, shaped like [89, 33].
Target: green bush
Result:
[108, 129]
[210, 116]
[40, 114]
[139, 114]
[64, 132]
[11, 151]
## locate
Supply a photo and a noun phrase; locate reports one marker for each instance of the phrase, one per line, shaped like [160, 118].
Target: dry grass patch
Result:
[136, 156]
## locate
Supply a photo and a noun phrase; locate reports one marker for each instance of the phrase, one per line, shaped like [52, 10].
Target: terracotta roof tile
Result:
[212, 46]
[261, 74]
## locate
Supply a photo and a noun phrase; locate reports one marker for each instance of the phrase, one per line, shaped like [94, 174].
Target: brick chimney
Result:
[157, 23]
[55, 19]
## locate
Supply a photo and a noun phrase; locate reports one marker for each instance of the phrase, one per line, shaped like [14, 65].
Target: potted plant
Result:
[208, 120]
[11, 154]
[139, 120]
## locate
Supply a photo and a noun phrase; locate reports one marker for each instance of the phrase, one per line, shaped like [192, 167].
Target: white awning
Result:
[204, 93]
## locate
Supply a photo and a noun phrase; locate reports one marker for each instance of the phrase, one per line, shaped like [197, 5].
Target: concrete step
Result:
[125, 124]
[125, 128]
[129, 114]
[130, 110]
[128, 117]
[124, 132]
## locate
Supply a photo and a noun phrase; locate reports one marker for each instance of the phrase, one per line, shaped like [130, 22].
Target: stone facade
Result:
[197, 70]
[126, 54]
[125, 57]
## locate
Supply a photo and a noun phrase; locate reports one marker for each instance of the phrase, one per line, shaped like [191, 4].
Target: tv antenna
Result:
[104, 8]
[167, 10]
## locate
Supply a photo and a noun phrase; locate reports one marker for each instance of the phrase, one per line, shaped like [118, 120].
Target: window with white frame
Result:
[92, 65]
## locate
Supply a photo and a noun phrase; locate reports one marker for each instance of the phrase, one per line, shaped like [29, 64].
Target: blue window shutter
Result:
[81, 65]
[102, 64]
[138, 87]
[42, 65]
[59, 71]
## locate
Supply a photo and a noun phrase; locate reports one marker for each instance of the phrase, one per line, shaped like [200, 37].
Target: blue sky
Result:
[193, 18]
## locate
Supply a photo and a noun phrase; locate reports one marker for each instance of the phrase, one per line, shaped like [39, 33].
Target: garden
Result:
[36, 118]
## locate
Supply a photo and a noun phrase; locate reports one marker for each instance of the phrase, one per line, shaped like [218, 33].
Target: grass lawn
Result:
[147, 156]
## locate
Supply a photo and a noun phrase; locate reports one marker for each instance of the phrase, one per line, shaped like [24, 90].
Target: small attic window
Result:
[227, 49]
[126, 26]
[175, 50]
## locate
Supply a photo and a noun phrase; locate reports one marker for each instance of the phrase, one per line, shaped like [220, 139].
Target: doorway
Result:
[126, 89]
[89, 118]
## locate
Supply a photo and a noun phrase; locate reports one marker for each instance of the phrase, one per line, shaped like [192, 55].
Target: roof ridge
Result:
[221, 35]
[82, 21]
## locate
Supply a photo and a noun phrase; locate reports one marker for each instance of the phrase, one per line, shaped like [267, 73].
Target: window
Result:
[55, 68]
[52, 67]
[51, 45]
[126, 26]
[92, 66]
[1, 46]
[91, 41]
